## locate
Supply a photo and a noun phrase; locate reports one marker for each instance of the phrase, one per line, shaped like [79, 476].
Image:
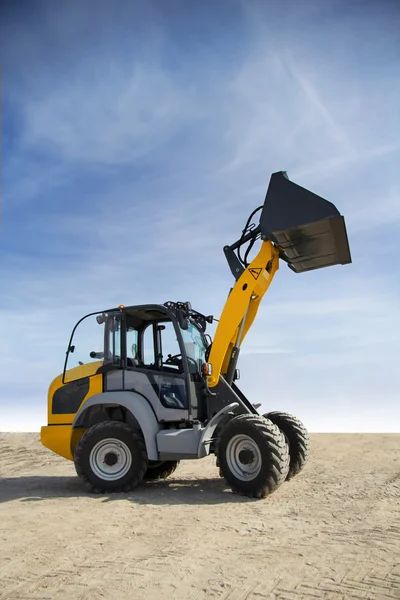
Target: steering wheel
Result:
[175, 359]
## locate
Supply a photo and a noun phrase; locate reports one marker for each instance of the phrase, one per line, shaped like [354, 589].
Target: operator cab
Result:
[157, 351]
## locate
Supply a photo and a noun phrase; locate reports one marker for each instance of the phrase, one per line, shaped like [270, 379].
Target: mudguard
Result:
[137, 406]
[208, 431]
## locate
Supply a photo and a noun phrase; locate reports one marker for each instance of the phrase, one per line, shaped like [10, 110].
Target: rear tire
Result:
[297, 437]
[160, 469]
[111, 457]
[252, 455]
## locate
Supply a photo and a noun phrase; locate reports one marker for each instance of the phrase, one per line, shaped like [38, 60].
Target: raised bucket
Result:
[309, 230]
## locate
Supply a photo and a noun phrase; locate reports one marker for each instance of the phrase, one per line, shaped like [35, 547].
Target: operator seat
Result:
[172, 401]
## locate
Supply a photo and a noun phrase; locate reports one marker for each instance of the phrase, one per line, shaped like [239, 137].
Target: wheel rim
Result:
[110, 459]
[243, 457]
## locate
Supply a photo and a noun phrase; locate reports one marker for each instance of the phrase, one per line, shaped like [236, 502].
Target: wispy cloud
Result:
[321, 110]
[342, 162]
[116, 116]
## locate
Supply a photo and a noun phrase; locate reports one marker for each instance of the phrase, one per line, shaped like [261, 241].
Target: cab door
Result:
[161, 362]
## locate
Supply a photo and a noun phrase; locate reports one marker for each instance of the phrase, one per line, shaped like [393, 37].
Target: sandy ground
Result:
[333, 532]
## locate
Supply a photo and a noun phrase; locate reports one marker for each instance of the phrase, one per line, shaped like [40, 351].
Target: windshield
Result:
[195, 347]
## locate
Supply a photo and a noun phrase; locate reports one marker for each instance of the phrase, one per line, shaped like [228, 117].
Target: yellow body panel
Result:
[96, 387]
[61, 439]
[81, 371]
[58, 435]
[241, 308]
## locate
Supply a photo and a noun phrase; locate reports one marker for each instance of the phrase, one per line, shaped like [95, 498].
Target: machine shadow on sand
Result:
[166, 492]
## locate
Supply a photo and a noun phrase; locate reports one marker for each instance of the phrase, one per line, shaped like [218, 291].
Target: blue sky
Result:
[138, 137]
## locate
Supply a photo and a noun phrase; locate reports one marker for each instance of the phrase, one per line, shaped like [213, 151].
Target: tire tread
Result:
[81, 448]
[162, 471]
[274, 447]
[299, 440]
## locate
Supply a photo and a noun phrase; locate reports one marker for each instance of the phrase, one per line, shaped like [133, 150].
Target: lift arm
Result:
[240, 311]
[297, 226]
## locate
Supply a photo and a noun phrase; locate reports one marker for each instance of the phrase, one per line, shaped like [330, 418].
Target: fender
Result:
[137, 406]
[208, 431]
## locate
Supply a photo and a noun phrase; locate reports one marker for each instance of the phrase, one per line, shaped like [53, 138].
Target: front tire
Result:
[297, 437]
[111, 457]
[252, 455]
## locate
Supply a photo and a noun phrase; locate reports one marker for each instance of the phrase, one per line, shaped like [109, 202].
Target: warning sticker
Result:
[255, 272]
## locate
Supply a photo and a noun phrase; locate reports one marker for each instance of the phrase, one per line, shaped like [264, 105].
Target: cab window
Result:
[132, 345]
[170, 359]
[170, 347]
[114, 340]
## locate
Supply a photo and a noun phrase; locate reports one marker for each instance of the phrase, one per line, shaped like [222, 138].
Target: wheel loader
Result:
[153, 388]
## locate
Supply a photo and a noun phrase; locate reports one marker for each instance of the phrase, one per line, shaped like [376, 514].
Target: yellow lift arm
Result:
[240, 310]
[297, 226]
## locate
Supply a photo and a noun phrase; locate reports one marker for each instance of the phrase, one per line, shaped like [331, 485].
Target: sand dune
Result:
[331, 533]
